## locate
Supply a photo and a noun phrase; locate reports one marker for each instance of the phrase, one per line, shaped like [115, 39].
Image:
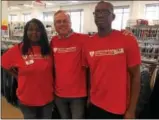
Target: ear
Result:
[54, 23]
[70, 22]
[114, 16]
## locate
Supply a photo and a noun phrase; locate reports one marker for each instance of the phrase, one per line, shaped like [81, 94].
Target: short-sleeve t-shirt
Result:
[35, 75]
[70, 75]
[109, 59]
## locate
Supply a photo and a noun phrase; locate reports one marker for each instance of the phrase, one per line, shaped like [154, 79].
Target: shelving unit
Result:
[16, 29]
[148, 39]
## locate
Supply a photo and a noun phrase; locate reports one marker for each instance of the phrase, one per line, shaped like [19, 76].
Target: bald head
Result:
[104, 15]
[106, 5]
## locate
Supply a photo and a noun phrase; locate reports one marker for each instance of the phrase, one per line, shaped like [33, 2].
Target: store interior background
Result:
[127, 12]
[81, 12]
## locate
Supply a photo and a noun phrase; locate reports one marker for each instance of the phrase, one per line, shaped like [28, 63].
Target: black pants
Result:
[95, 112]
[33, 112]
[71, 108]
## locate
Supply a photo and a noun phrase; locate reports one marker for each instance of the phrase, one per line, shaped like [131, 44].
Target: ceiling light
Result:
[47, 3]
[74, 1]
[14, 8]
[26, 5]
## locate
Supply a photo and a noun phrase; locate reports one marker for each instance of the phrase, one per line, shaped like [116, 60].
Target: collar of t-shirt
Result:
[67, 36]
[110, 34]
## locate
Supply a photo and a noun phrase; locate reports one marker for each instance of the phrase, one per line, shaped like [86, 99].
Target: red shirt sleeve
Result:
[9, 58]
[84, 58]
[132, 51]
[84, 54]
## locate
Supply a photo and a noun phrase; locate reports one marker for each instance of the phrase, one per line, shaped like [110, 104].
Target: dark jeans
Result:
[142, 108]
[71, 108]
[95, 112]
[37, 112]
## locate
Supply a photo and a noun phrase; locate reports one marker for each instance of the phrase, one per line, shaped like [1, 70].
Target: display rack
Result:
[148, 39]
[6, 43]
[16, 29]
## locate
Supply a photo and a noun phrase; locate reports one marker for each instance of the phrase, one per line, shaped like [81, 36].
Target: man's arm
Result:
[133, 66]
[134, 73]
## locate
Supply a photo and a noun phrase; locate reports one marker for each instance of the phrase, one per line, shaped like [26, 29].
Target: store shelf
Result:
[148, 39]
[11, 41]
[148, 61]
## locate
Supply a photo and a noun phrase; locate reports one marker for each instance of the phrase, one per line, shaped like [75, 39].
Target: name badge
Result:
[29, 62]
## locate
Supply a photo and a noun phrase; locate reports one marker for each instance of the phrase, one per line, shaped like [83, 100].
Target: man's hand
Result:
[129, 115]
[126, 32]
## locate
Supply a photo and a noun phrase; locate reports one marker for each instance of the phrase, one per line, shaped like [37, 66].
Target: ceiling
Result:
[54, 3]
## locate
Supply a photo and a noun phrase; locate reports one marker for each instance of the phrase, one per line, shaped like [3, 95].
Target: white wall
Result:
[136, 11]
[138, 8]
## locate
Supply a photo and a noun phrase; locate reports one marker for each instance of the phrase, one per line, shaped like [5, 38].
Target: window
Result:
[122, 16]
[13, 18]
[152, 11]
[48, 16]
[26, 17]
[77, 20]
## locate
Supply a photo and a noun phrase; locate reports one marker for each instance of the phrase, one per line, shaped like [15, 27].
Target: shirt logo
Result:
[24, 57]
[65, 50]
[108, 52]
[55, 49]
[34, 56]
[29, 62]
[91, 53]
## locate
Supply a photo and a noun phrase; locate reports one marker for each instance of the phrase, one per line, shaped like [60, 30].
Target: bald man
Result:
[70, 83]
[114, 61]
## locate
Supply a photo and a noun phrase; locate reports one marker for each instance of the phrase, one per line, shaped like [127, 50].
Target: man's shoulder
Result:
[81, 35]
[124, 35]
[118, 33]
[54, 38]
[82, 38]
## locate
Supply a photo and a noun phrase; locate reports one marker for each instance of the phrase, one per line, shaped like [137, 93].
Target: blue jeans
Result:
[37, 112]
[71, 108]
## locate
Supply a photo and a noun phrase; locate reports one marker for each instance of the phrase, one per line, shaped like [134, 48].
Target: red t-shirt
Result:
[109, 59]
[70, 74]
[35, 78]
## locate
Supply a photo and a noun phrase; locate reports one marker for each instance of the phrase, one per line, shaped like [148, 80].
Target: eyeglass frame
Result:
[103, 12]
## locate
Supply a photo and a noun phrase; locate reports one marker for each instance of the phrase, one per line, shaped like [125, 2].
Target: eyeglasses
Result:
[103, 12]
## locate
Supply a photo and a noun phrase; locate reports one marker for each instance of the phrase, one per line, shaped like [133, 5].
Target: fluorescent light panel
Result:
[48, 3]
[74, 1]
[14, 8]
[26, 5]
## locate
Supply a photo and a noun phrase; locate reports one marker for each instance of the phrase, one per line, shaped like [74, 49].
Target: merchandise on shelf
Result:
[4, 28]
[148, 38]
[142, 22]
[156, 22]
[16, 29]
[49, 29]
[7, 43]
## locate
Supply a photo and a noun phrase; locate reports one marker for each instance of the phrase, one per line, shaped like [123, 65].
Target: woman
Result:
[33, 60]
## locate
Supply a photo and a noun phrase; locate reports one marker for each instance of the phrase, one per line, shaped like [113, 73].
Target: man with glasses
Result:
[114, 60]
